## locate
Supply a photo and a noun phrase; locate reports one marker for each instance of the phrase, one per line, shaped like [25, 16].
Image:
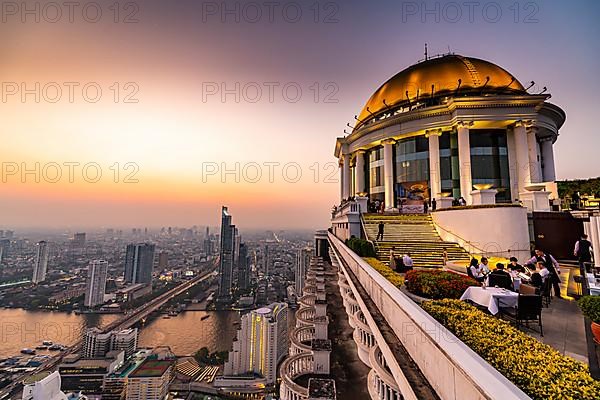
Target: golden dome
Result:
[440, 77]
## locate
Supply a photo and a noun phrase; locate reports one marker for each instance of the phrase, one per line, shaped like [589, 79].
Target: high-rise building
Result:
[97, 343]
[261, 343]
[139, 262]
[79, 239]
[226, 257]
[41, 263]
[243, 268]
[96, 283]
[4, 247]
[150, 380]
[125, 340]
[266, 260]
[163, 260]
[302, 262]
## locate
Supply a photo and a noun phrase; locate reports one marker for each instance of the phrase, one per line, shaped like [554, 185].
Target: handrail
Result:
[364, 229]
[483, 253]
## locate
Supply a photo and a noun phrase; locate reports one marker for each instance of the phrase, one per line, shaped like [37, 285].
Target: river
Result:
[184, 333]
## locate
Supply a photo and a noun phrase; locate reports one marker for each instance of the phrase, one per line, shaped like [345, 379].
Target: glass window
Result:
[489, 160]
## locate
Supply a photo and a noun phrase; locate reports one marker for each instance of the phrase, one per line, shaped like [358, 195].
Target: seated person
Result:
[536, 279]
[499, 277]
[541, 266]
[477, 273]
[515, 266]
[484, 265]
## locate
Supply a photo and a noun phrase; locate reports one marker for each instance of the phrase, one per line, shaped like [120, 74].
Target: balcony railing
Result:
[292, 368]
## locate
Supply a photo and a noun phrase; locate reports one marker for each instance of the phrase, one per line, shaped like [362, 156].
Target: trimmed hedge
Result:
[590, 307]
[385, 271]
[438, 284]
[536, 368]
[361, 247]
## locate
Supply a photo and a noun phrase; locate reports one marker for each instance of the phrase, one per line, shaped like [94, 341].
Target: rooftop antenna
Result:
[530, 85]
[387, 105]
[369, 111]
[425, 51]
[349, 126]
[545, 88]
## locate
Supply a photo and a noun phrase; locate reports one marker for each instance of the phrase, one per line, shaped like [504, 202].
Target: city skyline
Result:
[175, 182]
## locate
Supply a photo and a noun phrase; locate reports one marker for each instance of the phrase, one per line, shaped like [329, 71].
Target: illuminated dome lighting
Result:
[438, 78]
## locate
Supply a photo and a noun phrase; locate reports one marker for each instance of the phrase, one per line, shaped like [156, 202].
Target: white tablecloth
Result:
[491, 298]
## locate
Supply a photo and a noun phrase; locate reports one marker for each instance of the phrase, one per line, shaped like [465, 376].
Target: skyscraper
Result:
[79, 239]
[4, 247]
[302, 261]
[266, 260]
[261, 343]
[163, 259]
[243, 267]
[96, 283]
[226, 254]
[139, 261]
[41, 263]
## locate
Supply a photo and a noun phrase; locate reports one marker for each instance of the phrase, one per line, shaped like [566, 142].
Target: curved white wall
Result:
[499, 231]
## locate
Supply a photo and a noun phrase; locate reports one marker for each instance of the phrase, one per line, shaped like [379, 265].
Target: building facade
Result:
[452, 127]
[226, 254]
[139, 263]
[262, 342]
[41, 263]
[96, 283]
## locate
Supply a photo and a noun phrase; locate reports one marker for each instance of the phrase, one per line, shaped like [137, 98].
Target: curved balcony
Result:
[307, 300]
[352, 308]
[299, 337]
[309, 289]
[381, 383]
[365, 341]
[291, 368]
[305, 317]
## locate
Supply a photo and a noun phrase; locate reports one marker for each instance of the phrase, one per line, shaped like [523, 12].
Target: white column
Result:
[464, 159]
[522, 152]
[534, 163]
[359, 171]
[341, 166]
[512, 164]
[388, 174]
[435, 180]
[547, 148]
[345, 176]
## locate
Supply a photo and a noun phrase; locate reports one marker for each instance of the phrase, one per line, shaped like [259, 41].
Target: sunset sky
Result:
[171, 130]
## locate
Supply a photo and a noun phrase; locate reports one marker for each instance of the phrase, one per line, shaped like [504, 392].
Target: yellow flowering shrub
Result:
[386, 271]
[536, 368]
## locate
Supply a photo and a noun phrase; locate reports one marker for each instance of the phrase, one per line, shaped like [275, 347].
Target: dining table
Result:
[491, 297]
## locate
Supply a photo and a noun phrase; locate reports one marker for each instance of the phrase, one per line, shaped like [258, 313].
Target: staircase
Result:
[412, 233]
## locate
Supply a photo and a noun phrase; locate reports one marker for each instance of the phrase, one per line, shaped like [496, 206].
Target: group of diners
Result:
[538, 269]
[401, 263]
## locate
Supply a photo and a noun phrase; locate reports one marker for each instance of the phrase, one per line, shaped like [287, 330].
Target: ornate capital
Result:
[388, 141]
[523, 123]
[464, 124]
[433, 132]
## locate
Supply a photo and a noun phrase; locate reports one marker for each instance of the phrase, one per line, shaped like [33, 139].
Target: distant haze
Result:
[190, 90]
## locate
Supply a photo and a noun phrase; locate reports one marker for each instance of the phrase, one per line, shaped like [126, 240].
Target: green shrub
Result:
[361, 247]
[438, 284]
[385, 271]
[590, 307]
[536, 368]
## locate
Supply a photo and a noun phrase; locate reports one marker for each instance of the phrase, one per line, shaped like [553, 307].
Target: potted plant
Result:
[590, 307]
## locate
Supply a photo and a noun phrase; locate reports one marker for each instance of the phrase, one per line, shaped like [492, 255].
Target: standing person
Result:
[433, 204]
[392, 260]
[380, 228]
[583, 251]
[551, 265]
[407, 261]
[445, 257]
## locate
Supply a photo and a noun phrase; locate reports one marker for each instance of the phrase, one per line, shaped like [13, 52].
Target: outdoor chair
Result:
[529, 308]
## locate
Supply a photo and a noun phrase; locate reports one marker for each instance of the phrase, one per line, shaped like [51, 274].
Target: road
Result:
[125, 322]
